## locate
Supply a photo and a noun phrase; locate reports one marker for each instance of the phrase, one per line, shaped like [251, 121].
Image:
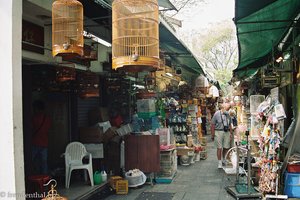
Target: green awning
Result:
[162, 3]
[261, 26]
[176, 49]
[166, 4]
[246, 73]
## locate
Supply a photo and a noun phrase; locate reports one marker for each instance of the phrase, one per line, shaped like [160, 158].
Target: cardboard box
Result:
[105, 125]
[109, 134]
[189, 140]
[91, 135]
[96, 134]
[184, 151]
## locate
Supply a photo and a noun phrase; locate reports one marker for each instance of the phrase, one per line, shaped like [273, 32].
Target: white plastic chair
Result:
[75, 152]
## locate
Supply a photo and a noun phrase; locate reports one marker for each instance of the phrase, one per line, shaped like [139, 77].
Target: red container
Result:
[294, 168]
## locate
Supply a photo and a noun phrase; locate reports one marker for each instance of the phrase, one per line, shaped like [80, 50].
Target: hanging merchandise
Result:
[269, 144]
[88, 84]
[66, 73]
[279, 112]
[67, 28]
[135, 39]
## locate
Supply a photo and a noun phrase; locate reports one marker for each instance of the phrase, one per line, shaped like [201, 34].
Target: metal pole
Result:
[237, 163]
[248, 162]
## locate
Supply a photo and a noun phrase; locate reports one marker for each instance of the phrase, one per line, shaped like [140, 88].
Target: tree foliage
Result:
[183, 7]
[216, 49]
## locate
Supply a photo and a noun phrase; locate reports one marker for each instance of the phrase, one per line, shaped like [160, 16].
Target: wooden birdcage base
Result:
[142, 64]
[89, 94]
[72, 51]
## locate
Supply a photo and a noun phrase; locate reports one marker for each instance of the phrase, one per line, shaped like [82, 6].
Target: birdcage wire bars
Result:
[135, 38]
[67, 28]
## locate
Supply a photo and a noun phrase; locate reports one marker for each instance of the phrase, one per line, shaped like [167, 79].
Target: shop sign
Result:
[32, 37]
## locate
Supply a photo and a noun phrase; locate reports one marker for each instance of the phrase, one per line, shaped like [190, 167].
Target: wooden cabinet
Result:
[142, 152]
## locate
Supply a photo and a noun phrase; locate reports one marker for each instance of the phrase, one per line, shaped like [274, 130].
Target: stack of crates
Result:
[203, 152]
[168, 163]
[292, 185]
[113, 181]
[292, 181]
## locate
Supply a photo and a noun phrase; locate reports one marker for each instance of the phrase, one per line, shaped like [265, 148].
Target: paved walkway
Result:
[201, 180]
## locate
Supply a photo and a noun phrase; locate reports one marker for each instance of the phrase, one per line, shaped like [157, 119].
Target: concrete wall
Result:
[12, 184]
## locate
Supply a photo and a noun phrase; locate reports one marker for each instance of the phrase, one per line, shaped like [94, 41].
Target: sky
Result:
[206, 13]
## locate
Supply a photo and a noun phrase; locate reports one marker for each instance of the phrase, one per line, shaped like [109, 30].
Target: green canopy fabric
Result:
[166, 4]
[178, 51]
[261, 25]
[162, 3]
[246, 73]
[244, 8]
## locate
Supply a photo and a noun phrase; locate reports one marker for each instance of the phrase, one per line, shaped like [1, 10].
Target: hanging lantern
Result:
[135, 39]
[66, 73]
[67, 28]
[88, 84]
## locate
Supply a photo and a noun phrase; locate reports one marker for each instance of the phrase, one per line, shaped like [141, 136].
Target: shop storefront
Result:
[271, 100]
[109, 104]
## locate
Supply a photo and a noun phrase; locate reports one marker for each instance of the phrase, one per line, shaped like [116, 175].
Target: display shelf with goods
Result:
[119, 96]
[177, 122]
[194, 120]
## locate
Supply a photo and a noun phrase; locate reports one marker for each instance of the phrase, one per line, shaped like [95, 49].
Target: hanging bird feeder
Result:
[135, 39]
[88, 84]
[67, 28]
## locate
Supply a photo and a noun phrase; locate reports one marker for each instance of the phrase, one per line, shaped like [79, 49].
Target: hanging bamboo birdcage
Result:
[67, 28]
[135, 42]
[88, 84]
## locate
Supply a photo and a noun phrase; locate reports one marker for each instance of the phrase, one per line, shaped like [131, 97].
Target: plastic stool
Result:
[40, 180]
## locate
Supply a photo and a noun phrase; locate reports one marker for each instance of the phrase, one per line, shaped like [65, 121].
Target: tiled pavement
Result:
[201, 180]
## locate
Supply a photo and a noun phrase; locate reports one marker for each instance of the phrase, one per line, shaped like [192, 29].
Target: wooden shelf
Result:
[181, 132]
[176, 123]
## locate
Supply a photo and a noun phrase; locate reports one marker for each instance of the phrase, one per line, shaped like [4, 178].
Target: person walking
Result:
[41, 124]
[221, 132]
